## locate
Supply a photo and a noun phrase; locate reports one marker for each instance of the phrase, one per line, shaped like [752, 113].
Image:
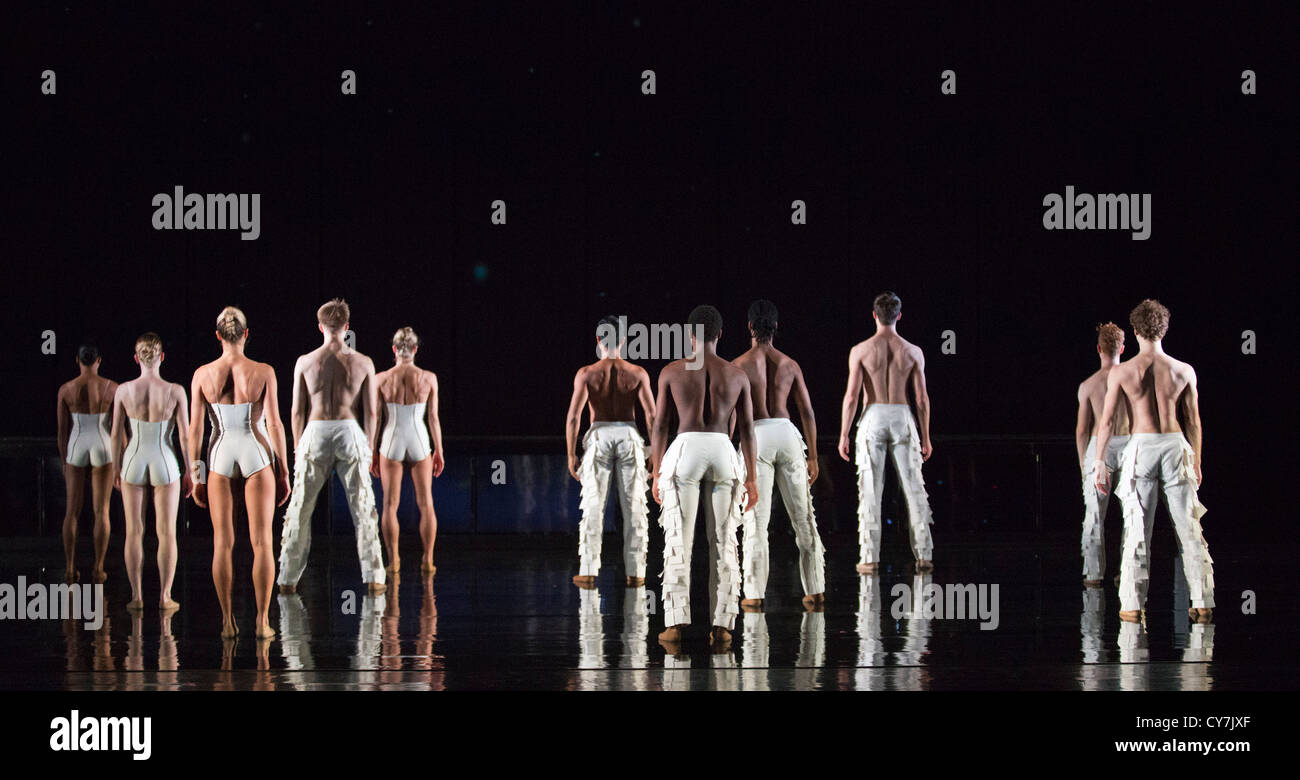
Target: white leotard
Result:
[149, 458]
[405, 435]
[88, 443]
[234, 444]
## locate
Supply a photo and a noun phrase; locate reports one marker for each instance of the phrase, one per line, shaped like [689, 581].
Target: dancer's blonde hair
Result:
[148, 348]
[231, 324]
[405, 341]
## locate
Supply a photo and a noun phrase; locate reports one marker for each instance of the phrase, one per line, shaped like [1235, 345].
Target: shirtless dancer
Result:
[1156, 388]
[1092, 396]
[702, 460]
[409, 398]
[612, 451]
[334, 418]
[881, 369]
[157, 415]
[783, 457]
[84, 405]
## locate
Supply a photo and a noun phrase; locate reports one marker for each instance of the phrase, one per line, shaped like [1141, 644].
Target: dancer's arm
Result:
[197, 471]
[300, 406]
[64, 416]
[573, 421]
[1191, 407]
[849, 409]
[1083, 428]
[1113, 390]
[117, 439]
[435, 426]
[646, 395]
[922, 395]
[181, 419]
[659, 432]
[803, 403]
[745, 426]
[275, 432]
[369, 404]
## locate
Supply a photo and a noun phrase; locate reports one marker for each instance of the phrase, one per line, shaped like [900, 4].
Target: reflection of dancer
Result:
[1157, 388]
[333, 386]
[1092, 396]
[83, 408]
[701, 460]
[409, 404]
[236, 392]
[783, 459]
[612, 452]
[156, 411]
[881, 369]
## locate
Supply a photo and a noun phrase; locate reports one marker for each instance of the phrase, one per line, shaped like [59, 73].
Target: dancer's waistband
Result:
[1174, 435]
[611, 424]
[687, 435]
[772, 421]
[334, 424]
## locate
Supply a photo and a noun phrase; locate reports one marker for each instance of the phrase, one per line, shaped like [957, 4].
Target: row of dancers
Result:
[349, 420]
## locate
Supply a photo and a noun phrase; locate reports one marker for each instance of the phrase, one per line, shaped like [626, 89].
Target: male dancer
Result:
[1092, 396]
[333, 417]
[783, 458]
[701, 460]
[85, 405]
[1157, 455]
[881, 369]
[612, 450]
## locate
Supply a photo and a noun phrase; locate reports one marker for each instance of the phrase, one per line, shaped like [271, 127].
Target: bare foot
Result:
[167, 605]
[672, 634]
[427, 567]
[924, 565]
[751, 605]
[100, 576]
[375, 588]
[719, 638]
[265, 631]
[814, 602]
[229, 630]
[635, 582]
[1200, 614]
[585, 581]
[136, 605]
[286, 589]
[1130, 615]
[868, 568]
[393, 566]
[1092, 583]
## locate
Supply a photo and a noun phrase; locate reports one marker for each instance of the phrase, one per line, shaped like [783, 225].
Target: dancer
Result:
[236, 392]
[409, 402]
[156, 412]
[783, 458]
[1092, 396]
[612, 452]
[702, 460]
[83, 411]
[881, 369]
[334, 426]
[1156, 388]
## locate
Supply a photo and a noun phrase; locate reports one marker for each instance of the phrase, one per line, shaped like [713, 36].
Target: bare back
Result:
[771, 374]
[1154, 385]
[705, 397]
[333, 380]
[232, 379]
[1092, 392]
[613, 386]
[150, 398]
[889, 365]
[88, 394]
[404, 384]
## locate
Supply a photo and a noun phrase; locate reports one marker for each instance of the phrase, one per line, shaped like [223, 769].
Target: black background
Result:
[648, 205]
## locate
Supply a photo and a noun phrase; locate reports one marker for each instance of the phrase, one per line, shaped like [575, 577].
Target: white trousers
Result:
[1095, 504]
[613, 452]
[1152, 462]
[327, 446]
[696, 464]
[782, 460]
[889, 429]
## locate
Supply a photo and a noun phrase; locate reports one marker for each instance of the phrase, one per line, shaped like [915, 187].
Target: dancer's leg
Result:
[133, 509]
[259, 497]
[74, 485]
[101, 486]
[166, 500]
[221, 507]
[390, 479]
[422, 480]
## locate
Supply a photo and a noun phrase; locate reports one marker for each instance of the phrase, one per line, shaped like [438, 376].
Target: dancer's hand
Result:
[374, 465]
[200, 495]
[751, 493]
[187, 485]
[846, 448]
[1102, 478]
[927, 449]
[574, 465]
[654, 491]
[1198, 475]
[117, 481]
[812, 469]
[438, 463]
[281, 486]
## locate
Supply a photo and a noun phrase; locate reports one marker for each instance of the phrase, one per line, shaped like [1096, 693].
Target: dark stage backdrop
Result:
[650, 204]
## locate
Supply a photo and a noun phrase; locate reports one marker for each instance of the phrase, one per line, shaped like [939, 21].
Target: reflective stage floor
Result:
[502, 613]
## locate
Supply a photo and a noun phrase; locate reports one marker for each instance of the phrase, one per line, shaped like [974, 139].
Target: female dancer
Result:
[237, 392]
[153, 408]
[83, 408]
[409, 412]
